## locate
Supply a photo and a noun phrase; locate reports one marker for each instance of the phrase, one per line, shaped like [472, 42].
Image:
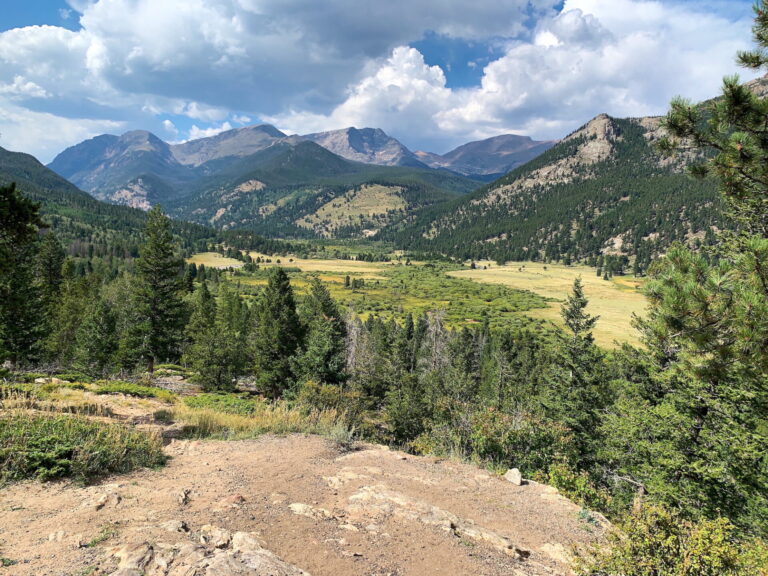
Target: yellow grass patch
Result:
[319, 265]
[214, 260]
[615, 301]
[355, 207]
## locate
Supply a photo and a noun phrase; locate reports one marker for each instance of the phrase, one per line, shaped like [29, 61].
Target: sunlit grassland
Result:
[614, 300]
[214, 260]
[393, 289]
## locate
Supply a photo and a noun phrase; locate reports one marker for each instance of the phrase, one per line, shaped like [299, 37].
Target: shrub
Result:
[138, 390]
[50, 447]
[657, 542]
[74, 377]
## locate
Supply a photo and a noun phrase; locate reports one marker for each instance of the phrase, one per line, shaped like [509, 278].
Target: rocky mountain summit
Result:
[367, 145]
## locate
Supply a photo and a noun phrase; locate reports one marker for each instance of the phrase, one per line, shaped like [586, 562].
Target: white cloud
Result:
[309, 65]
[196, 132]
[170, 127]
[624, 57]
[23, 130]
[23, 88]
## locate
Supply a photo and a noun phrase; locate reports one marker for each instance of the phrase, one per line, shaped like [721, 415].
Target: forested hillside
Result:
[604, 189]
[291, 190]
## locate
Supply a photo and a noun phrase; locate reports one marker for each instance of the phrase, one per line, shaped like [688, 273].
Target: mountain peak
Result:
[368, 145]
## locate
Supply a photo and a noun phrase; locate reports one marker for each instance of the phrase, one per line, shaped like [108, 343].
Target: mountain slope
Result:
[304, 190]
[78, 217]
[367, 145]
[490, 158]
[602, 190]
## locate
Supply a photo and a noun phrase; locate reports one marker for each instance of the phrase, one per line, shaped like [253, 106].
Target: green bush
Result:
[657, 542]
[131, 389]
[50, 447]
[74, 377]
[225, 403]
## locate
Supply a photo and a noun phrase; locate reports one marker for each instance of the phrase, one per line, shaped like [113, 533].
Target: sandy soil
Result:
[370, 511]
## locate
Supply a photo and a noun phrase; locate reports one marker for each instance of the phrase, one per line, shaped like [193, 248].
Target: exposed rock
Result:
[513, 475]
[242, 555]
[216, 537]
[111, 500]
[183, 497]
[378, 501]
[310, 511]
[175, 526]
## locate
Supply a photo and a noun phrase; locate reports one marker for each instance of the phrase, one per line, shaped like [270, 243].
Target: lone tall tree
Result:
[278, 335]
[159, 291]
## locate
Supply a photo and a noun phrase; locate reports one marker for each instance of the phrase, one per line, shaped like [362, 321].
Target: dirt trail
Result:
[371, 511]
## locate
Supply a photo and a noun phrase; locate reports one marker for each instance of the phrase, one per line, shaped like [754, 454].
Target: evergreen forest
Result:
[668, 439]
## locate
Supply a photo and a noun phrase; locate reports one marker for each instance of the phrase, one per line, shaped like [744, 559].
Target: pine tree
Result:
[323, 357]
[579, 394]
[50, 261]
[96, 339]
[278, 335]
[694, 436]
[158, 289]
[20, 320]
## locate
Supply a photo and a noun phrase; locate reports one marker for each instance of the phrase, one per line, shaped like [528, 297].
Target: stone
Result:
[513, 475]
[175, 526]
[216, 537]
[111, 500]
[183, 497]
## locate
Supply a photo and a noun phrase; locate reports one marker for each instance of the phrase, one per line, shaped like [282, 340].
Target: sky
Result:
[432, 73]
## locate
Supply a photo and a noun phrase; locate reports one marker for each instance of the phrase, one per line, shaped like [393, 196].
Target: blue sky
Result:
[432, 73]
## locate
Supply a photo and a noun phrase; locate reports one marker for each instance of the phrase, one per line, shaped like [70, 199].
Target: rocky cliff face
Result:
[367, 145]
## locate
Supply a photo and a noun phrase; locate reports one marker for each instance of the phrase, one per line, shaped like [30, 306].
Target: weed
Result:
[106, 533]
[6, 562]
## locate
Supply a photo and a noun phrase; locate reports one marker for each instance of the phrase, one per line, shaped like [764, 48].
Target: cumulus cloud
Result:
[624, 57]
[308, 65]
[24, 130]
[196, 132]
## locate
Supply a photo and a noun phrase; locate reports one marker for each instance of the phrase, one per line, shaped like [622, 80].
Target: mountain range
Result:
[139, 169]
[602, 191]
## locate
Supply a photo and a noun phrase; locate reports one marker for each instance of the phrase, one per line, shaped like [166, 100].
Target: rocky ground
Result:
[291, 505]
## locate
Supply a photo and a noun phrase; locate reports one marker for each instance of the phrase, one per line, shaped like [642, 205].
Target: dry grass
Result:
[329, 266]
[265, 419]
[615, 301]
[214, 260]
[355, 207]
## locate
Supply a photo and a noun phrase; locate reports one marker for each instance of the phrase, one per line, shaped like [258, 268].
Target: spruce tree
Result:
[96, 339]
[277, 336]
[158, 290]
[323, 357]
[21, 324]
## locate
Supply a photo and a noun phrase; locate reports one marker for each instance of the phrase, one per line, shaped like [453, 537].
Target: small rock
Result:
[56, 536]
[216, 537]
[175, 526]
[112, 499]
[183, 497]
[513, 475]
[350, 527]
[237, 499]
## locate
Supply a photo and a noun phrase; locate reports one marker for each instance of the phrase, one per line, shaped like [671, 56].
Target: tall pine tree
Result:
[158, 290]
[278, 335]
